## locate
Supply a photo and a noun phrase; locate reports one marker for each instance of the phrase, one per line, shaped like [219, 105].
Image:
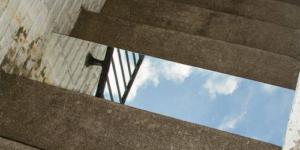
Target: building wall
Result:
[30, 47]
[63, 64]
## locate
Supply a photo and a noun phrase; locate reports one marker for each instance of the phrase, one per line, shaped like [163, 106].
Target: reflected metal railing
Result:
[106, 64]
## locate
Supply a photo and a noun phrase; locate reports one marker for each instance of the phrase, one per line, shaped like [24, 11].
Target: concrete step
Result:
[55, 119]
[207, 23]
[237, 2]
[6, 144]
[271, 11]
[190, 49]
[293, 2]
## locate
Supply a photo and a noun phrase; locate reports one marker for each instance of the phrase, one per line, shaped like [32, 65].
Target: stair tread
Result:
[56, 119]
[293, 2]
[208, 23]
[264, 10]
[189, 49]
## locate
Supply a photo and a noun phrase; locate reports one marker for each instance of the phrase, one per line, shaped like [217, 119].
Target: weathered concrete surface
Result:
[264, 10]
[199, 51]
[292, 138]
[6, 144]
[211, 24]
[294, 2]
[53, 118]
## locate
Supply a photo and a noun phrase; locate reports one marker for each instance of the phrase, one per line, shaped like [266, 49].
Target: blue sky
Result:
[212, 99]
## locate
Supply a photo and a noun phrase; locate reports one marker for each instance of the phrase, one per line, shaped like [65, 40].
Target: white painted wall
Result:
[292, 138]
[29, 46]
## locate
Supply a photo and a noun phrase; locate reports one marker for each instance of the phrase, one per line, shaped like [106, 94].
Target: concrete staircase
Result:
[295, 2]
[254, 39]
[51, 118]
[6, 144]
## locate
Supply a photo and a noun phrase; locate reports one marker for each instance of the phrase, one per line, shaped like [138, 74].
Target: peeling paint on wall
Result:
[28, 47]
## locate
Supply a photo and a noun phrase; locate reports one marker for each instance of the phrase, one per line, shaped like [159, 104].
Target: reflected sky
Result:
[212, 99]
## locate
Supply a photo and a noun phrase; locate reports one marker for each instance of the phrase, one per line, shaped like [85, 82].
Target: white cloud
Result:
[230, 122]
[219, 84]
[269, 88]
[149, 74]
[146, 75]
[174, 71]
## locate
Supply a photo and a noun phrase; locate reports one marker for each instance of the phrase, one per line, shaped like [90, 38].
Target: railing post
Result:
[104, 79]
[104, 72]
[131, 81]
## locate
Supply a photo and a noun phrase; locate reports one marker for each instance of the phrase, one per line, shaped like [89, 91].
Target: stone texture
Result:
[51, 118]
[6, 144]
[199, 51]
[293, 2]
[197, 21]
[264, 10]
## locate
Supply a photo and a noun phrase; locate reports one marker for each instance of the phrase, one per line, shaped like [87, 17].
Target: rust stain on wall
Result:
[6, 63]
[14, 62]
[19, 33]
